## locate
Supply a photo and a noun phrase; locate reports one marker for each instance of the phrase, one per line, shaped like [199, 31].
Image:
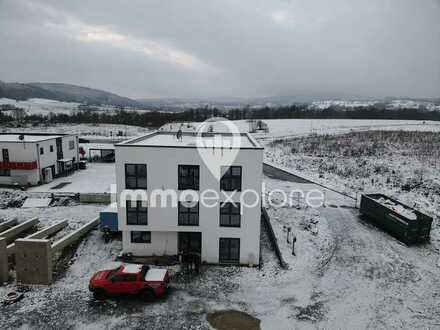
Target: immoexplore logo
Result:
[210, 198]
[218, 141]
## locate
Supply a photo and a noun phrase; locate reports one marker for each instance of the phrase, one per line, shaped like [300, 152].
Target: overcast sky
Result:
[248, 48]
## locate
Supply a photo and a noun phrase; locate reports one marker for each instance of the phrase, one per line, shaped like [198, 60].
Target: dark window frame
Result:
[137, 210]
[5, 155]
[193, 179]
[229, 259]
[51, 148]
[188, 211]
[71, 144]
[140, 240]
[229, 211]
[230, 181]
[5, 172]
[5, 158]
[41, 150]
[136, 177]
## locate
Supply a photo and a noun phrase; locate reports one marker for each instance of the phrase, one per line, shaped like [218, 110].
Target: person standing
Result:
[293, 244]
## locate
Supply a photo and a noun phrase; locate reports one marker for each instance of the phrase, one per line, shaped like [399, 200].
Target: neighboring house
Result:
[35, 158]
[225, 233]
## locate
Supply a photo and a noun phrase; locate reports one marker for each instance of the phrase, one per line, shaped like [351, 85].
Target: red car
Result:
[149, 283]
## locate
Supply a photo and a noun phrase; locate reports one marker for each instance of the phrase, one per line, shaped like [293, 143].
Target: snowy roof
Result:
[155, 274]
[112, 208]
[27, 137]
[192, 140]
[132, 268]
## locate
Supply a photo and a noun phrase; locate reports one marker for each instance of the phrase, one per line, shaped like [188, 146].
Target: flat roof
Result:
[27, 137]
[191, 140]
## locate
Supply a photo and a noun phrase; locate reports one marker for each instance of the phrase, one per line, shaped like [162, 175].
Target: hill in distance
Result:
[62, 92]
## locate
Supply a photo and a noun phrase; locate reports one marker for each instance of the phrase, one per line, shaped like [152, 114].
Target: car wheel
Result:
[147, 295]
[99, 294]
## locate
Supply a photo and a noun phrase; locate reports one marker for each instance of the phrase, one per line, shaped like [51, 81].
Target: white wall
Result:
[162, 243]
[68, 153]
[162, 173]
[30, 151]
[20, 152]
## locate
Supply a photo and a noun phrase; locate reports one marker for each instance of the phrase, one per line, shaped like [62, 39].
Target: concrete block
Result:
[74, 236]
[33, 258]
[40, 234]
[13, 232]
[7, 224]
[4, 272]
[103, 198]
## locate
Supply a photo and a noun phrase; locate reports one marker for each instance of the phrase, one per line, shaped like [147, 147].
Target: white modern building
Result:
[35, 158]
[226, 230]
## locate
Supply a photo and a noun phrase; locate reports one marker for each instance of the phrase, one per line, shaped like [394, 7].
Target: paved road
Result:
[368, 279]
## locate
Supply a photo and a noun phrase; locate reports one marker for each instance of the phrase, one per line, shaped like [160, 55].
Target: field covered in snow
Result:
[281, 128]
[402, 164]
[347, 274]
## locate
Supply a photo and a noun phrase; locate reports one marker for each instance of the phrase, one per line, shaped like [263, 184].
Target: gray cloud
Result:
[225, 48]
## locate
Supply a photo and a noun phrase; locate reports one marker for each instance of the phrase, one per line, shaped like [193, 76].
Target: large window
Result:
[135, 176]
[137, 214]
[230, 215]
[188, 216]
[229, 250]
[141, 237]
[188, 177]
[231, 178]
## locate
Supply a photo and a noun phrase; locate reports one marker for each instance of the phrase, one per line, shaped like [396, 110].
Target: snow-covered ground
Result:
[97, 178]
[282, 128]
[394, 104]
[87, 131]
[42, 106]
[375, 161]
[350, 275]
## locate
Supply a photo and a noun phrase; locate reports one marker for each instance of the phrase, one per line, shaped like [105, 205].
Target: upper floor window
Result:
[135, 176]
[188, 177]
[51, 148]
[137, 214]
[71, 145]
[230, 215]
[41, 151]
[231, 178]
[188, 216]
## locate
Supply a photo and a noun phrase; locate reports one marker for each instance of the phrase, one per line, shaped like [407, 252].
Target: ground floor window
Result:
[229, 250]
[141, 237]
[5, 172]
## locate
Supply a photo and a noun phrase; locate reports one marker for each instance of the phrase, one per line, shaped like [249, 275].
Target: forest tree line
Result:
[159, 118]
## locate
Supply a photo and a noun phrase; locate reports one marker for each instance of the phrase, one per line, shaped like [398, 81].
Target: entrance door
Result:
[59, 144]
[190, 242]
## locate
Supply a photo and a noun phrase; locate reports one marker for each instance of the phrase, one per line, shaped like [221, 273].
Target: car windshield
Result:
[112, 273]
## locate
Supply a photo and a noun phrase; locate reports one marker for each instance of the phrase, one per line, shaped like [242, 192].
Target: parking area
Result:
[97, 178]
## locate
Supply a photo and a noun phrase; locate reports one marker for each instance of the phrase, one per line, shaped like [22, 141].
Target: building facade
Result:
[32, 159]
[223, 231]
